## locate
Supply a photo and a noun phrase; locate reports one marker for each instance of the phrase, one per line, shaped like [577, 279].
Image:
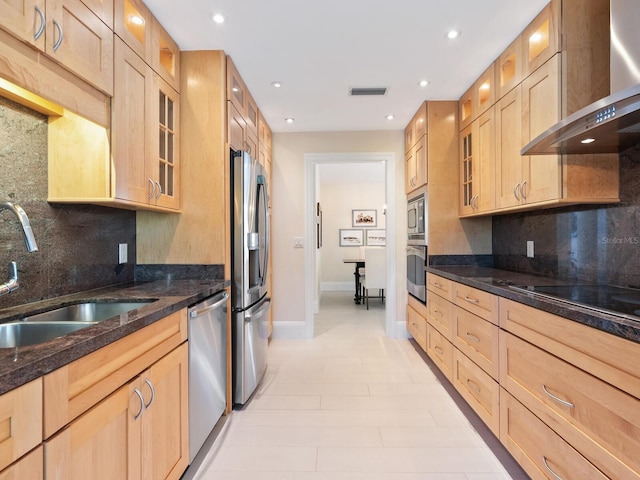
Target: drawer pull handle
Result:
[153, 392]
[559, 400]
[438, 350]
[546, 465]
[472, 337]
[473, 386]
[471, 299]
[40, 30]
[139, 394]
[438, 312]
[437, 284]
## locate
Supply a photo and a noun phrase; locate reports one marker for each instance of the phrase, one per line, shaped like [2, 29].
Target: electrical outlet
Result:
[122, 253]
[298, 242]
[530, 252]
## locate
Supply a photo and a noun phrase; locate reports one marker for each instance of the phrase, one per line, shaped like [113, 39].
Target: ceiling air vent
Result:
[367, 91]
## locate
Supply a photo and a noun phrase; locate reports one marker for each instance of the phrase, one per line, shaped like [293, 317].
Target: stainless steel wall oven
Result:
[416, 275]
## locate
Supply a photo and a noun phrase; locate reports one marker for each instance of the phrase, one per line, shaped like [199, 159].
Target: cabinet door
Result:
[484, 91]
[417, 327]
[25, 19]
[540, 40]
[421, 161]
[484, 172]
[236, 127]
[540, 111]
[130, 134]
[508, 143]
[509, 68]
[410, 170]
[132, 23]
[236, 89]
[20, 421]
[103, 9]
[29, 467]
[80, 41]
[163, 165]
[101, 444]
[165, 449]
[165, 55]
[465, 105]
[467, 164]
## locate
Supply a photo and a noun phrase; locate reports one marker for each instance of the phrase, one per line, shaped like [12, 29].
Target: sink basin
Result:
[18, 334]
[85, 312]
[45, 326]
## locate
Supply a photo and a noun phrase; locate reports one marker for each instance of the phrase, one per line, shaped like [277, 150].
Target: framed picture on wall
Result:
[350, 237]
[376, 237]
[364, 218]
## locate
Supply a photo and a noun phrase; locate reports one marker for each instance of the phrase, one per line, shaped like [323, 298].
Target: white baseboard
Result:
[337, 287]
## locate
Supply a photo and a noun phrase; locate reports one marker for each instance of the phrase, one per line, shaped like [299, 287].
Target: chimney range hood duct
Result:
[611, 124]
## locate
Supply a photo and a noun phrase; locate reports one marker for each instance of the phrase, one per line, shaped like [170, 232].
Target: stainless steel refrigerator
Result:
[249, 259]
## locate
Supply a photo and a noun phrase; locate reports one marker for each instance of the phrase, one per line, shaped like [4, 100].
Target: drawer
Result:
[477, 339]
[479, 390]
[440, 350]
[613, 359]
[597, 419]
[483, 304]
[30, 467]
[417, 327]
[439, 285]
[20, 421]
[538, 450]
[440, 314]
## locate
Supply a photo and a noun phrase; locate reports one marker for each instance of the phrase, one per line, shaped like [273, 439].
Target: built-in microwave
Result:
[417, 218]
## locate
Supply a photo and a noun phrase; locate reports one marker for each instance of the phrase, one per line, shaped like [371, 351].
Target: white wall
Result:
[337, 201]
[289, 216]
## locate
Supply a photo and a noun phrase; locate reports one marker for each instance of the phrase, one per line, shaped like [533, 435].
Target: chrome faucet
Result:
[12, 283]
[27, 233]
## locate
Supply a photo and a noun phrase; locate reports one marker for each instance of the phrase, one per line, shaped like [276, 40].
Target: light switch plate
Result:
[530, 252]
[122, 253]
[298, 242]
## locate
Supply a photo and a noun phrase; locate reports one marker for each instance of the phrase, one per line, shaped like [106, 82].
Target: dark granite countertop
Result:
[498, 282]
[21, 365]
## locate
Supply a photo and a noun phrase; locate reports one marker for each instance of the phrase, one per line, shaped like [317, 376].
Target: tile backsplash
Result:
[78, 244]
[587, 244]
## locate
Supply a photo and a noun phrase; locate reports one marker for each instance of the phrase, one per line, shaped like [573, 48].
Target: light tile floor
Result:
[352, 404]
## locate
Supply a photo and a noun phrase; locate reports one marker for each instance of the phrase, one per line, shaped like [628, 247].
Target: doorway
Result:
[312, 288]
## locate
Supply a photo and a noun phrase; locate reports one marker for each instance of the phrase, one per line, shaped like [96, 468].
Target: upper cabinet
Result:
[165, 55]
[132, 23]
[534, 88]
[415, 144]
[69, 32]
[243, 113]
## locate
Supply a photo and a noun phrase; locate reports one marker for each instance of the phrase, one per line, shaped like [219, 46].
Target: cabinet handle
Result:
[559, 400]
[40, 30]
[473, 386]
[438, 312]
[438, 350]
[437, 284]
[56, 45]
[159, 190]
[153, 392]
[472, 337]
[523, 190]
[139, 394]
[471, 299]
[546, 465]
[515, 191]
[153, 189]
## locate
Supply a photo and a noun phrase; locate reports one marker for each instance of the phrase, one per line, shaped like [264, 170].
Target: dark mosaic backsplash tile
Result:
[78, 244]
[588, 244]
[150, 273]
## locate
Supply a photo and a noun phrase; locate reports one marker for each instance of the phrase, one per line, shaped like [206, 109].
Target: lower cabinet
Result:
[417, 327]
[139, 431]
[28, 467]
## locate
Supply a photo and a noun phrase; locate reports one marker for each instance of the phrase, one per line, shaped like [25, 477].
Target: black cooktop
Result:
[610, 299]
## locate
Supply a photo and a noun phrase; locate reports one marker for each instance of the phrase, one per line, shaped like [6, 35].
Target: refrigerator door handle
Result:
[265, 306]
[267, 231]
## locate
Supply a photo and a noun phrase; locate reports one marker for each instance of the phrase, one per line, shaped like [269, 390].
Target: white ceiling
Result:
[319, 49]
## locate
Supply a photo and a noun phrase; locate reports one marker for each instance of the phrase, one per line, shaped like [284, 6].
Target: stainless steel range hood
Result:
[611, 124]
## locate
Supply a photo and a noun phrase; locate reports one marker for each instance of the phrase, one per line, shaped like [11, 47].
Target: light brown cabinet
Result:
[132, 24]
[68, 32]
[541, 39]
[165, 55]
[508, 167]
[508, 68]
[139, 431]
[415, 135]
[243, 118]
[29, 467]
[21, 420]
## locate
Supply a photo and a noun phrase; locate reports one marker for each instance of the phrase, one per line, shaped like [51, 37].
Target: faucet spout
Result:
[29, 239]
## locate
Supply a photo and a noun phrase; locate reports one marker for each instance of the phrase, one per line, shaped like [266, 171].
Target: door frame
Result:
[311, 162]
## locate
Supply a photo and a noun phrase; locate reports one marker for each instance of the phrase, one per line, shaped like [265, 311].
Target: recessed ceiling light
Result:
[289, 120]
[588, 140]
[451, 34]
[423, 83]
[276, 84]
[390, 117]
[217, 17]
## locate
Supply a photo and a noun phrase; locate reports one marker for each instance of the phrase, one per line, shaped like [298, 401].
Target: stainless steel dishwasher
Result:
[207, 368]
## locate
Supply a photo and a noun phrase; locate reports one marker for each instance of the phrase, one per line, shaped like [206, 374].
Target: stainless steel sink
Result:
[18, 334]
[85, 312]
[45, 326]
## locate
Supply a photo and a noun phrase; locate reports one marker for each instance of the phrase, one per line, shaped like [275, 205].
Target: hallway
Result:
[351, 404]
